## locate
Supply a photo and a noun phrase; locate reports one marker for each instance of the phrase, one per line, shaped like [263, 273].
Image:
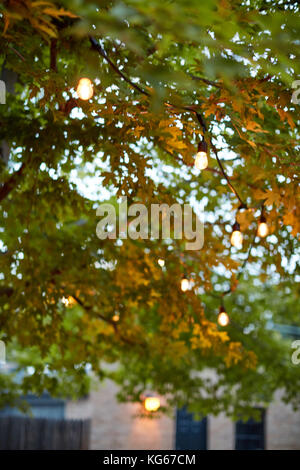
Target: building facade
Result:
[117, 426]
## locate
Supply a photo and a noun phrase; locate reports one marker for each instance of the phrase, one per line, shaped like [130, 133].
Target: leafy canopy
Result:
[164, 73]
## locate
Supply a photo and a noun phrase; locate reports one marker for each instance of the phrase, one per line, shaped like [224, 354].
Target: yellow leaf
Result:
[271, 196]
[58, 13]
[6, 23]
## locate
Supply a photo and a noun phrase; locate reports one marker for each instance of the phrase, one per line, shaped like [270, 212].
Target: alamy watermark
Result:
[162, 221]
[296, 93]
[296, 354]
[2, 92]
[2, 353]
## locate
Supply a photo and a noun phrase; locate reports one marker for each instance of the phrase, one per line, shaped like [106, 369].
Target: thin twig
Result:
[17, 52]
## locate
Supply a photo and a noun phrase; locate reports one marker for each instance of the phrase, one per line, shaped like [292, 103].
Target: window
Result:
[190, 434]
[41, 407]
[250, 435]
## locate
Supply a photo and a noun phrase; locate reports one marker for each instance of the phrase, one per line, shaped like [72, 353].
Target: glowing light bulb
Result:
[185, 284]
[161, 262]
[263, 228]
[201, 160]
[223, 318]
[85, 89]
[152, 403]
[116, 318]
[68, 301]
[236, 236]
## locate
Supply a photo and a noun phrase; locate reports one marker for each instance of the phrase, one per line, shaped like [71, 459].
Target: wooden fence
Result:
[43, 434]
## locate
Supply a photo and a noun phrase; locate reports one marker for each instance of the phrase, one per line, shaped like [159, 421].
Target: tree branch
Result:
[109, 321]
[53, 54]
[205, 80]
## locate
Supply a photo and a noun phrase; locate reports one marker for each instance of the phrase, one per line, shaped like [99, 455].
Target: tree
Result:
[166, 75]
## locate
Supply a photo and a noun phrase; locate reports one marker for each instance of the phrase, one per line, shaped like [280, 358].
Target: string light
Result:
[116, 318]
[185, 284]
[85, 89]
[201, 163]
[223, 318]
[236, 236]
[68, 301]
[201, 160]
[161, 262]
[263, 228]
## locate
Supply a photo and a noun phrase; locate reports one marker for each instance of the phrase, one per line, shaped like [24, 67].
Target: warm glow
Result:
[161, 262]
[184, 284]
[223, 319]
[263, 229]
[236, 238]
[201, 160]
[85, 89]
[68, 301]
[152, 403]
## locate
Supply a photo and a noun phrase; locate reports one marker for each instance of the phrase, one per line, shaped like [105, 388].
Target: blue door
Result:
[190, 434]
[250, 435]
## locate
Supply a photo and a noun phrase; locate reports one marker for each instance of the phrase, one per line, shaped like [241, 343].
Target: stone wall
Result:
[283, 426]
